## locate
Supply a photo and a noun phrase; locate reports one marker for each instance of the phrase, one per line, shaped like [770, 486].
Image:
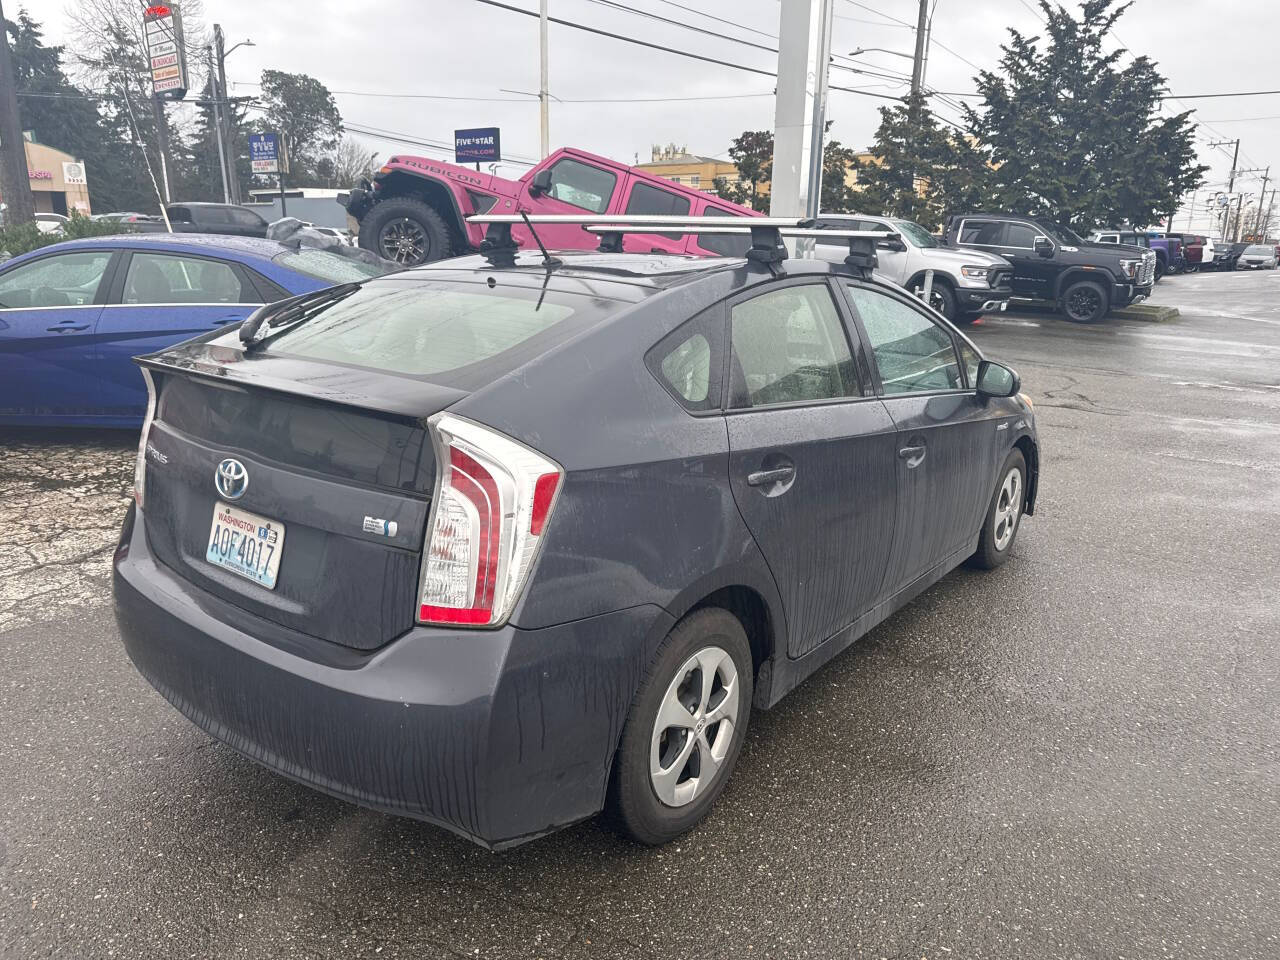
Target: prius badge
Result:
[231, 479]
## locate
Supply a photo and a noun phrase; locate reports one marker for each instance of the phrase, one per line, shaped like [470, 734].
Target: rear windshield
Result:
[330, 267]
[458, 334]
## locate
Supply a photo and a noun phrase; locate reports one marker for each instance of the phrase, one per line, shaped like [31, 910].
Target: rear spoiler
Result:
[767, 233]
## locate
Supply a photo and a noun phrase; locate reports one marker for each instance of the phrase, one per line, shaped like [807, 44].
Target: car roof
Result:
[209, 243]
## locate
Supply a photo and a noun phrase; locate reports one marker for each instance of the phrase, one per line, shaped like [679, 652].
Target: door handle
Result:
[913, 455]
[765, 478]
[67, 325]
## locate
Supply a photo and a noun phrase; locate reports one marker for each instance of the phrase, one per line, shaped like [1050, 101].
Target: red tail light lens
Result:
[493, 500]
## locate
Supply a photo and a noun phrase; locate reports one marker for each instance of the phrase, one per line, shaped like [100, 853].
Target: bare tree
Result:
[347, 163]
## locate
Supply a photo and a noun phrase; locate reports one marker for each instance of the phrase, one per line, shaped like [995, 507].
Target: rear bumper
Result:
[498, 735]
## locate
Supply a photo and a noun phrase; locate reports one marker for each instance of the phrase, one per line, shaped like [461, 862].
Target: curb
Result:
[1148, 313]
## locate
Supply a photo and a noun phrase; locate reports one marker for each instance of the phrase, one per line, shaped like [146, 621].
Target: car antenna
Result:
[548, 260]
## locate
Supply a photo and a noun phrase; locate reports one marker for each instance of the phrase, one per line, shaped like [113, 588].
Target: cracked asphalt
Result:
[1074, 756]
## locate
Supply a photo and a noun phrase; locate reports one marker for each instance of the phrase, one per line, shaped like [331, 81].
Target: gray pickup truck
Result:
[966, 283]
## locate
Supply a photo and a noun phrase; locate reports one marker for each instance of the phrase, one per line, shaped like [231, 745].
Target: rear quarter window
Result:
[689, 361]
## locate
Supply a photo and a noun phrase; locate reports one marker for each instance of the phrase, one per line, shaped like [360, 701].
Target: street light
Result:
[860, 50]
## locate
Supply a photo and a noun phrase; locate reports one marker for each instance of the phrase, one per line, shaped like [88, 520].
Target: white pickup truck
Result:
[965, 284]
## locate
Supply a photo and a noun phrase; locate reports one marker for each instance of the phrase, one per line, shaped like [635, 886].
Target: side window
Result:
[913, 353]
[970, 358]
[164, 278]
[246, 218]
[582, 185]
[981, 233]
[651, 201]
[1018, 235]
[180, 215]
[688, 361]
[66, 280]
[789, 346]
[723, 244]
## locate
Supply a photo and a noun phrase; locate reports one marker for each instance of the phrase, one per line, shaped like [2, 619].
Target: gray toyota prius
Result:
[504, 541]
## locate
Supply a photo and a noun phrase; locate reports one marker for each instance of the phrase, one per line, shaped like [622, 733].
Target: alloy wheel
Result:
[403, 241]
[695, 727]
[1083, 303]
[1008, 507]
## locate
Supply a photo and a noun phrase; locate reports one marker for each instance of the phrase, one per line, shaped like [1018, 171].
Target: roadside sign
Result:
[162, 23]
[73, 174]
[264, 153]
[478, 145]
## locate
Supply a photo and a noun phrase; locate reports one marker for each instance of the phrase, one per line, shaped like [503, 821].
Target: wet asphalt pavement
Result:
[1073, 756]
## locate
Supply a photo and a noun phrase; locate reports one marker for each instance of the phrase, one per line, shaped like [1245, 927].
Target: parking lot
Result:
[1073, 756]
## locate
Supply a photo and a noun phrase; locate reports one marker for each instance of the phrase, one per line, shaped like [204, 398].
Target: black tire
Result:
[942, 298]
[1160, 270]
[633, 803]
[993, 546]
[407, 231]
[1085, 302]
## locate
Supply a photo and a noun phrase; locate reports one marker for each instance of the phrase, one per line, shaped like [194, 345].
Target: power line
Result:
[445, 97]
[1216, 96]
[682, 53]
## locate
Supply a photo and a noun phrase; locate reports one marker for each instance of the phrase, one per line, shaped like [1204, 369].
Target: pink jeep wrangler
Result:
[415, 209]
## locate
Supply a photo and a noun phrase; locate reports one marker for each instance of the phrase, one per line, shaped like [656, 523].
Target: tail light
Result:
[493, 500]
[140, 465]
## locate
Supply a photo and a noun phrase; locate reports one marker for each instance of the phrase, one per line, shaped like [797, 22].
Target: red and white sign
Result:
[168, 60]
[163, 26]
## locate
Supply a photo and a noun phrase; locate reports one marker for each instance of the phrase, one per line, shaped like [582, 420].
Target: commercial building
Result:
[700, 173]
[676, 163]
[58, 180]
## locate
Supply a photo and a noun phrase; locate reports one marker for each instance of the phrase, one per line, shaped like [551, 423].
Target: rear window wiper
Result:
[274, 318]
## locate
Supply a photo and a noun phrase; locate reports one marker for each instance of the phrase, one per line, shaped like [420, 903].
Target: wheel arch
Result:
[938, 277]
[1101, 277]
[430, 191]
[1031, 454]
[753, 598]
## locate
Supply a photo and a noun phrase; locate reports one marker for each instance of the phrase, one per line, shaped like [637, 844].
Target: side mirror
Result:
[893, 244]
[997, 380]
[541, 182]
[1043, 247]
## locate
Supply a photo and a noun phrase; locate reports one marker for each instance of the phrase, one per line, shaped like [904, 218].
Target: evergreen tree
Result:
[1072, 135]
[920, 170]
[752, 154]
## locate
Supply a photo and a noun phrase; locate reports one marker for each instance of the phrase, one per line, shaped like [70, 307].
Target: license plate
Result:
[245, 543]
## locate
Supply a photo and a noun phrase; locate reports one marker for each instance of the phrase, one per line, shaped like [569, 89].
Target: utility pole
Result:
[1262, 198]
[217, 126]
[1231, 181]
[544, 94]
[1266, 220]
[922, 34]
[15, 184]
[220, 94]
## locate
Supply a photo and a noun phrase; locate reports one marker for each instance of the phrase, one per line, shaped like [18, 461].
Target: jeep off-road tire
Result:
[407, 231]
[685, 729]
[1085, 302]
[1004, 514]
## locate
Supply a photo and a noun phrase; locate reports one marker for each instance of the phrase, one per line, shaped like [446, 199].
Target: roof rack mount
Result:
[766, 233]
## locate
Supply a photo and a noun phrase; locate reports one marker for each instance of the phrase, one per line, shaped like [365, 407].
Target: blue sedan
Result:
[72, 315]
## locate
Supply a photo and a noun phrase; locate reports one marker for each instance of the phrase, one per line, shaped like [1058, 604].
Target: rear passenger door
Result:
[946, 440]
[159, 299]
[812, 457]
[646, 199]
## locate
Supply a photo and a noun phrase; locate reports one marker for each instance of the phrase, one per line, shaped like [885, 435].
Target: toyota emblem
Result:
[231, 479]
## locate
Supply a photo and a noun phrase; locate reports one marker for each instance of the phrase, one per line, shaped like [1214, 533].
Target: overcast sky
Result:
[371, 54]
